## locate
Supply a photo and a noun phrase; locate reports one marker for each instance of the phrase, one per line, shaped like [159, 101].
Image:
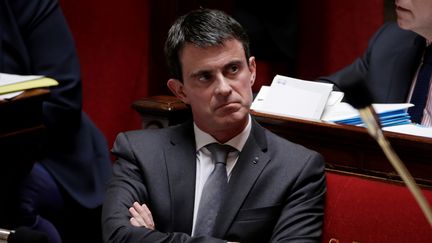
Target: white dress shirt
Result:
[204, 163]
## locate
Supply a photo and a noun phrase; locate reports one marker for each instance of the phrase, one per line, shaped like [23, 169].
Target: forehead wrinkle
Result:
[224, 66]
[224, 57]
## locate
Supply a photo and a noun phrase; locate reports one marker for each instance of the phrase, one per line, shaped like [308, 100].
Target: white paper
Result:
[412, 129]
[6, 78]
[293, 97]
[10, 95]
[260, 97]
[335, 98]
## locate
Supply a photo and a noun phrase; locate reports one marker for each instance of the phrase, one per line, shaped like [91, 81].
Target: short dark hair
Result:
[203, 28]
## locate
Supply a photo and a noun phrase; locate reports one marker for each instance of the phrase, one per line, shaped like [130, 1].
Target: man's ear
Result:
[176, 87]
[252, 69]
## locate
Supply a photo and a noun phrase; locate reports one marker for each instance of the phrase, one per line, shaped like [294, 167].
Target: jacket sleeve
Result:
[47, 48]
[301, 219]
[126, 187]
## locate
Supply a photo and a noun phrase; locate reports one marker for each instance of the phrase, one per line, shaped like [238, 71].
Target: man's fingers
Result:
[148, 214]
[138, 219]
[145, 213]
[135, 223]
[141, 216]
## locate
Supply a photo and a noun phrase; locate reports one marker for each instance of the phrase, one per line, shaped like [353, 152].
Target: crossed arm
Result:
[141, 216]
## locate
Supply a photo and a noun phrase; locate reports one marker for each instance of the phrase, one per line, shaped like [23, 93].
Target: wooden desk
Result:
[21, 132]
[349, 149]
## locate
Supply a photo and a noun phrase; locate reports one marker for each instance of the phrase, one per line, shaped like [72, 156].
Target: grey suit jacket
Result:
[388, 65]
[276, 190]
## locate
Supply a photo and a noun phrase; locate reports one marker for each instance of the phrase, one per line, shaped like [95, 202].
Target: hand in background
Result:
[141, 216]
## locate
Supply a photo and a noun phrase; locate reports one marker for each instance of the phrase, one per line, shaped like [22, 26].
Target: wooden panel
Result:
[351, 149]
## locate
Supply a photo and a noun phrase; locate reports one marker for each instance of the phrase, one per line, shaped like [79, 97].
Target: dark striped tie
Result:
[214, 190]
[421, 89]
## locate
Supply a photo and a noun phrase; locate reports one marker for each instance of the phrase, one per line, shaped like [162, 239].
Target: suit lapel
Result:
[180, 162]
[251, 162]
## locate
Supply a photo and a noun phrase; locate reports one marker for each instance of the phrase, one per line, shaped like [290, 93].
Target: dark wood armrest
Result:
[161, 111]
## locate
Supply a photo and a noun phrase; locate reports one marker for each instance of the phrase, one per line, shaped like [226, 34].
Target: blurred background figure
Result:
[397, 64]
[67, 183]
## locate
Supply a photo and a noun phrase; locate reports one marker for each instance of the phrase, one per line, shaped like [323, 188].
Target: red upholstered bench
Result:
[363, 210]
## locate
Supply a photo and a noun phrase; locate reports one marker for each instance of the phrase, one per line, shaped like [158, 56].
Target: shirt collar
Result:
[202, 138]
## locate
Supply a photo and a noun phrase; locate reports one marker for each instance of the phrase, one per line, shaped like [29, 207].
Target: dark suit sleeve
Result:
[126, 187]
[302, 215]
[359, 69]
[48, 49]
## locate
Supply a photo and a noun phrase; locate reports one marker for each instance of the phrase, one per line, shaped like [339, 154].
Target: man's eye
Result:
[234, 69]
[204, 77]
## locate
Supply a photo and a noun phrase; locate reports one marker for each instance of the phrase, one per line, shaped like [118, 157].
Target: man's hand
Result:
[141, 216]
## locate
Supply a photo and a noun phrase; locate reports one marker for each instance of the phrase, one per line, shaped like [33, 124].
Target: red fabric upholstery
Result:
[112, 43]
[367, 210]
[334, 33]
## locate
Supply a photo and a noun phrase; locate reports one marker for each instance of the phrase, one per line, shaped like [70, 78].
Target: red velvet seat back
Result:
[366, 210]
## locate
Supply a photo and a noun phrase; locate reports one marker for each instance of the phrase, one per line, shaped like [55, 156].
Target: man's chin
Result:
[233, 118]
[401, 24]
[404, 21]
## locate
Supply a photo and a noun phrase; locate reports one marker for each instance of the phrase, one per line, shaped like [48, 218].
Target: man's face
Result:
[217, 85]
[415, 15]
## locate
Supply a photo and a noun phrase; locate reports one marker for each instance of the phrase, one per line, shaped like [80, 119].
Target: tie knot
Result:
[219, 151]
[427, 57]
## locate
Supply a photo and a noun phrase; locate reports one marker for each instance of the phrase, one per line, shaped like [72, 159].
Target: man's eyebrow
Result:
[234, 62]
[199, 73]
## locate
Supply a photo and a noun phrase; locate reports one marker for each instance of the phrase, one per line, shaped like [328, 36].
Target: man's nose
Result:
[223, 86]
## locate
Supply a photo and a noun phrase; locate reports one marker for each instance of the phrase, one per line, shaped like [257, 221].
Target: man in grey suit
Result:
[391, 63]
[276, 188]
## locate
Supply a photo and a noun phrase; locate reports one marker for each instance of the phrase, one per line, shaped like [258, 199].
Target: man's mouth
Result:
[226, 105]
[401, 9]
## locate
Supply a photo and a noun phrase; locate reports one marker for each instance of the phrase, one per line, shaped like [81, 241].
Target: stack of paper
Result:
[12, 85]
[293, 97]
[389, 114]
[411, 129]
[313, 100]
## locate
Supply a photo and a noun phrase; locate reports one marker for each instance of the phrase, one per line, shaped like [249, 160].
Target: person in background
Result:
[63, 193]
[392, 66]
[169, 185]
